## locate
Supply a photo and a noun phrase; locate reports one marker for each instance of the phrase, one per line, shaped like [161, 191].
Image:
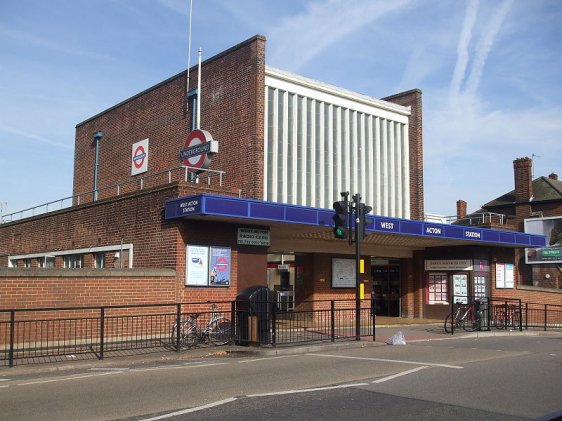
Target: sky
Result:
[490, 72]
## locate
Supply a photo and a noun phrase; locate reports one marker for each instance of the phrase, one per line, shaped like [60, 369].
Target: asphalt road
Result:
[503, 378]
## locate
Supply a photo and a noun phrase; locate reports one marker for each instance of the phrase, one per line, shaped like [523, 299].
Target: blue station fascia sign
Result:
[234, 207]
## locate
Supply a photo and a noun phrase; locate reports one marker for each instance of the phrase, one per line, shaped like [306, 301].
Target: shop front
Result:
[409, 270]
[450, 281]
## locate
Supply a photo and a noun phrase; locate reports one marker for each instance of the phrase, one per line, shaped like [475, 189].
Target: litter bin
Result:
[253, 315]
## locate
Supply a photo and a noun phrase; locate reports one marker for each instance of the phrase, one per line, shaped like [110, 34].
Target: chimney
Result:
[461, 209]
[553, 176]
[522, 168]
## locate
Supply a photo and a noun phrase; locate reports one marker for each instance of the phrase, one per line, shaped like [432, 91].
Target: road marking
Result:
[68, 378]
[265, 359]
[4, 380]
[175, 366]
[313, 389]
[190, 410]
[388, 360]
[404, 373]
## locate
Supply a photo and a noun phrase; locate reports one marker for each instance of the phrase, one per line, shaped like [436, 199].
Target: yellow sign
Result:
[361, 266]
[361, 291]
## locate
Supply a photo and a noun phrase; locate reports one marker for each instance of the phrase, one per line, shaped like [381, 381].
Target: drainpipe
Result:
[97, 137]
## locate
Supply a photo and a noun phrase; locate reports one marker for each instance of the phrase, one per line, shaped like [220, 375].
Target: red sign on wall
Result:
[197, 151]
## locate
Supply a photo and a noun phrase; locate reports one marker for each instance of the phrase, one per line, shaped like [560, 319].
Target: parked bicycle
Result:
[217, 331]
[505, 316]
[465, 316]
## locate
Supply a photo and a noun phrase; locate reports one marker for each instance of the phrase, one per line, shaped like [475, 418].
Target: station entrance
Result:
[386, 287]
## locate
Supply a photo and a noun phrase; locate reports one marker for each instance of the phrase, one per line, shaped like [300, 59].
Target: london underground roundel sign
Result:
[197, 150]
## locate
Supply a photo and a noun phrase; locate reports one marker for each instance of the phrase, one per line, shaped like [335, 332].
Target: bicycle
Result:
[505, 316]
[217, 331]
[465, 316]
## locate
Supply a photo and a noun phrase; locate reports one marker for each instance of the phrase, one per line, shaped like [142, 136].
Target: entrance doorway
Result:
[386, 289]
[281, 279]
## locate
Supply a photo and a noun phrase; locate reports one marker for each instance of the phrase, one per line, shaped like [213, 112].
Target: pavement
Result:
[414, 330]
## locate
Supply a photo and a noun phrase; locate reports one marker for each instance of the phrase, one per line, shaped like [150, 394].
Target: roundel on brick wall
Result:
[197, 151]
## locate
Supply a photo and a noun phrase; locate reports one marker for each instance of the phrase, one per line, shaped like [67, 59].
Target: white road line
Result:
[265, 359]
[314, 389]
[4, 380]
[388, 360]
[404, 373]
[175, 366]
[190, 410]
[68, 378]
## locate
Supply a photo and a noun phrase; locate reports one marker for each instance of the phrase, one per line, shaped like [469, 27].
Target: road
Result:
[503, 378]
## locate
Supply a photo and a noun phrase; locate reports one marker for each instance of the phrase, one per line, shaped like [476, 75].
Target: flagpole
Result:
[188, 56]
[199, 92]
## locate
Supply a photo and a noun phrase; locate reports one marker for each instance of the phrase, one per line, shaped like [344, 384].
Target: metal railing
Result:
[39, 335]
[510, 313]
[180, 173]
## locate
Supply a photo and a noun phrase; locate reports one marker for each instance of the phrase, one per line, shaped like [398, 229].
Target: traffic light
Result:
[341, 218]
[363, 210]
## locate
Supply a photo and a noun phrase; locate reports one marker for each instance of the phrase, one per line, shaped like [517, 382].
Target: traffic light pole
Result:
[358, 229]
[343, 227]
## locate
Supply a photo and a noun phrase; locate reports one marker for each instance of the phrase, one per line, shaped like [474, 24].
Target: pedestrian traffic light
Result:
[341, 219]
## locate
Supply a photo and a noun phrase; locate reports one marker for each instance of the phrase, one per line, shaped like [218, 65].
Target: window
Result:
[437, 285]
[26, 263]
[99, 260]
[73, 261]
[46, 261]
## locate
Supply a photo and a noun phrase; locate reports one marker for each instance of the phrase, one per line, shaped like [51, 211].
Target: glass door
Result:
[386, 290]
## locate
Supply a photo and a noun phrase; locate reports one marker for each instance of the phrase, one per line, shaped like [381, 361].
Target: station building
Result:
[193, 192]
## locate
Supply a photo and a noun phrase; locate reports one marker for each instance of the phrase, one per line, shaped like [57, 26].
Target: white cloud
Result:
[299, 39]
[33, 137]
[485, 45]
[462, 47]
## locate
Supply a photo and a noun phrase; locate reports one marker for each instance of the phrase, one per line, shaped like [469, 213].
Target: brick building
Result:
[149, 224]
[533, 206]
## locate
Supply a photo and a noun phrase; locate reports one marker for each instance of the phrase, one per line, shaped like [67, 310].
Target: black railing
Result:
[507, 314]
[39, 335]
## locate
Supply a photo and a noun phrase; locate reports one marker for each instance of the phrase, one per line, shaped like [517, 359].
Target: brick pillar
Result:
[461, 209]
[522, 169]
[413, 99]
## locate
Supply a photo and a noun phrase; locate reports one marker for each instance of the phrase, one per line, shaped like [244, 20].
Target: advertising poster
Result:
[460, 288]
[551, 228]
[509, 275]
[343, 273]
[219, 273]
[197, 266]
[500, 275]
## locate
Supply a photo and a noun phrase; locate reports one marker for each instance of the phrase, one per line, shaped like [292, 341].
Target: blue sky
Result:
[490, 72]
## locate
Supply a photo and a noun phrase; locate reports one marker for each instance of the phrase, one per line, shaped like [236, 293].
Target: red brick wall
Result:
[232, 96]
[413, 99]
[135, 219]
[62, 289]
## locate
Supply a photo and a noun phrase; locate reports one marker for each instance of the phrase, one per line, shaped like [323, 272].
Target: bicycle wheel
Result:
[448, 322]
[470, 322]
[188, 334]
[219, 332]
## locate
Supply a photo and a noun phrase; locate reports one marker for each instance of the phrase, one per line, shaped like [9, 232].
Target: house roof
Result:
[544, 189]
